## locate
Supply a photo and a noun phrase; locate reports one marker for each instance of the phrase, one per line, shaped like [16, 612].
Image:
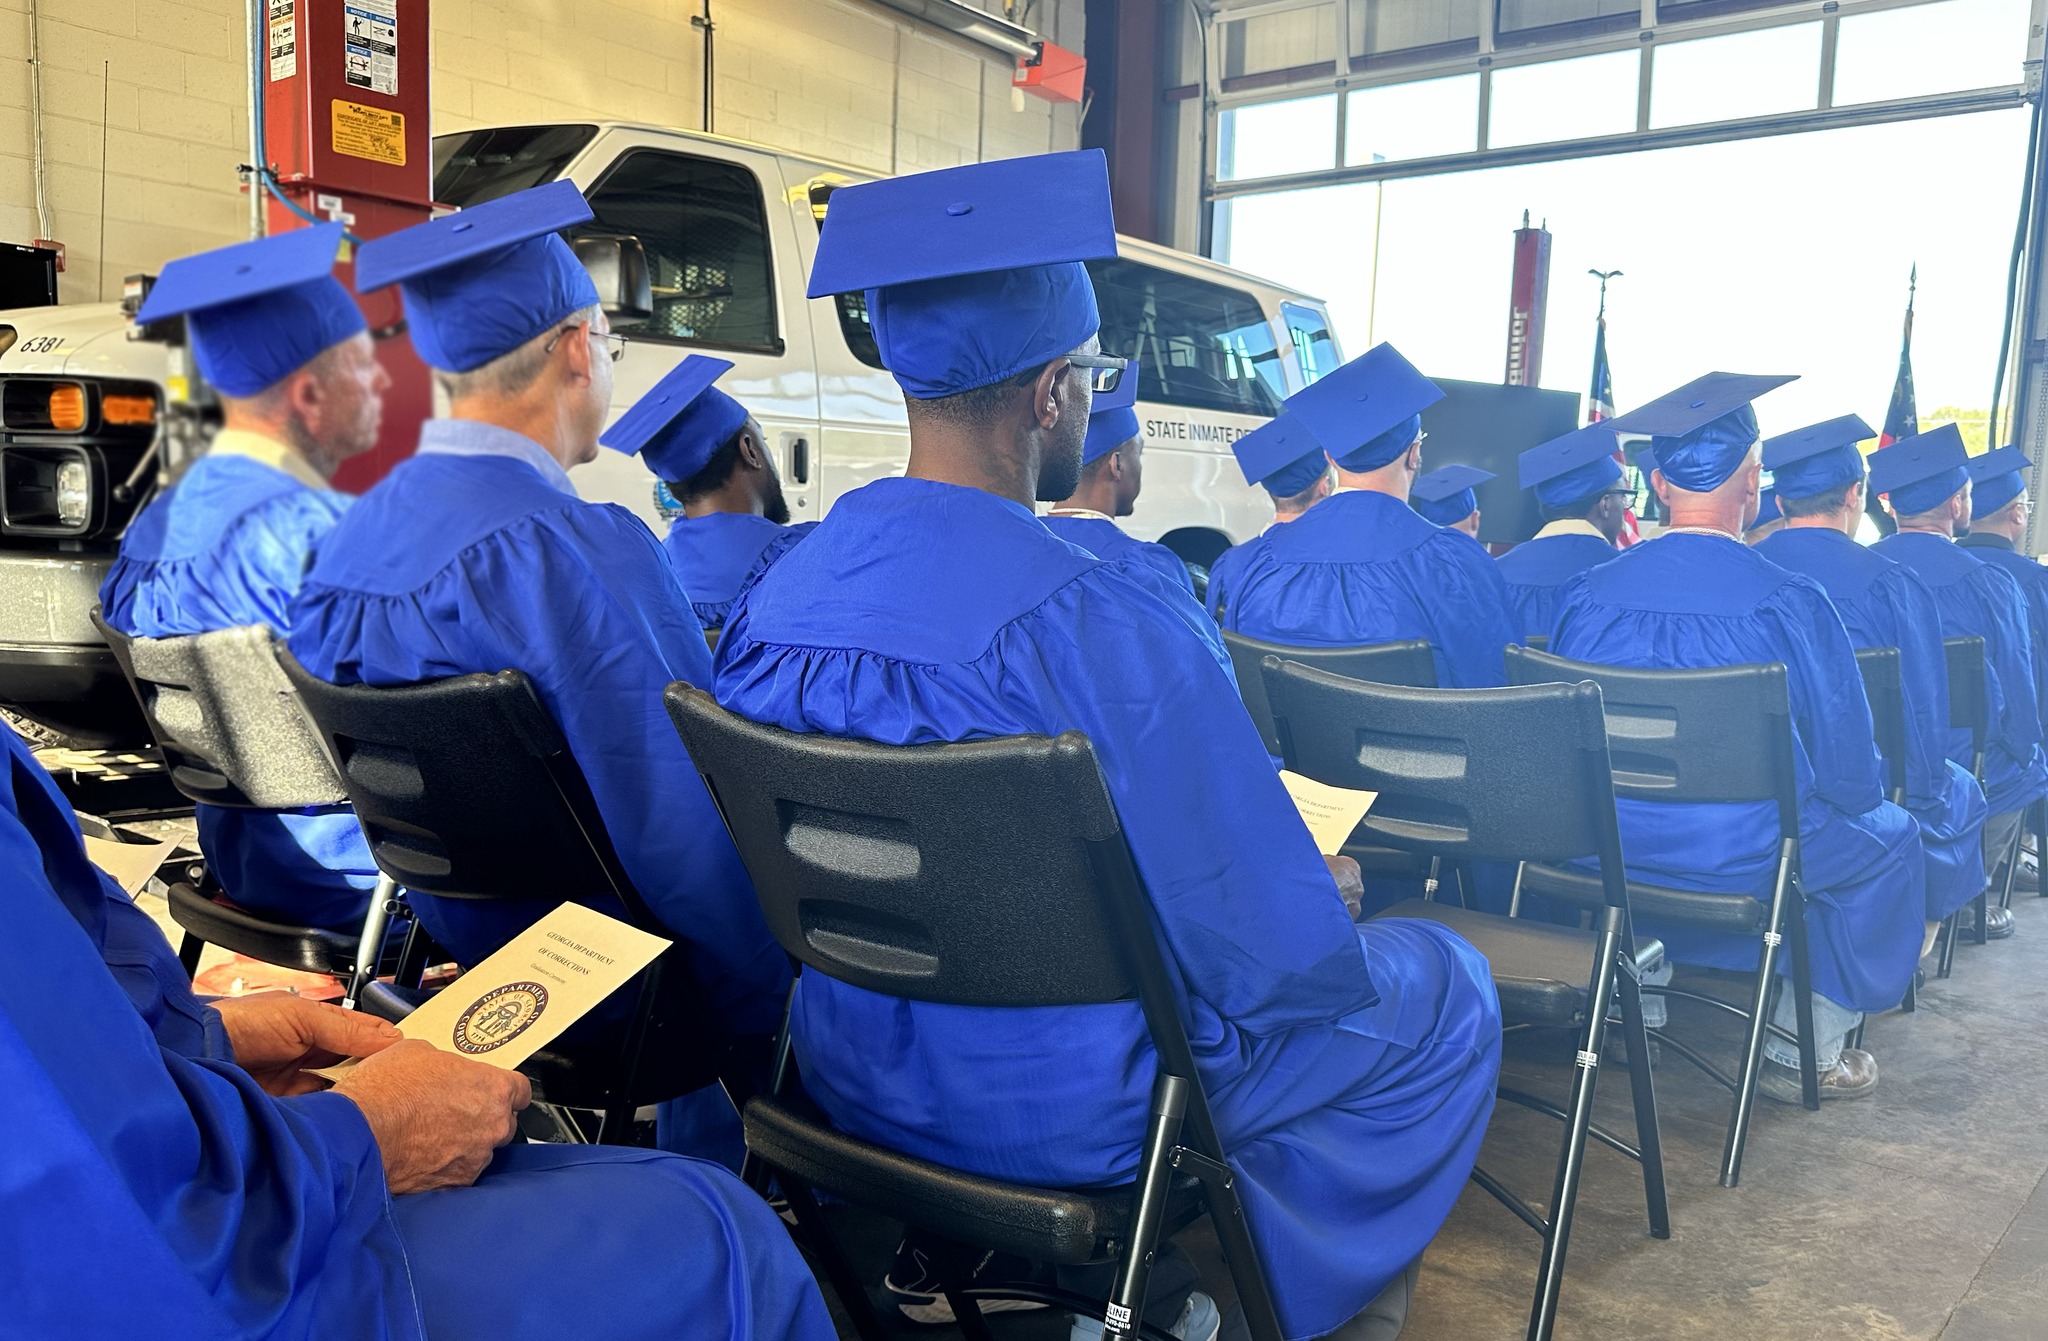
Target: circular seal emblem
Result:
[499, 1016]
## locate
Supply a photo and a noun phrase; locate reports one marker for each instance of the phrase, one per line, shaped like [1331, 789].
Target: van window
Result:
[1315, 349]
[473, 166]
[705, 230]
[1202, 344]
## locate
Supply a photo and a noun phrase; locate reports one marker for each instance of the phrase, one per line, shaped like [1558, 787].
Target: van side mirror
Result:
[618, 266]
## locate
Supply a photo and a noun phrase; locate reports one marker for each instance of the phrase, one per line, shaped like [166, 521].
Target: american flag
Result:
[1600, 405]
[1901, 418]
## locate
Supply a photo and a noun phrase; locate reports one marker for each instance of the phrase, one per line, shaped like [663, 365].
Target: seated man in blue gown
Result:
[301, 392]
[172, 1172]
[714, 459]
[1696, 597]
[1999, 510]
[1445, 496]
[1820, 486]
[1351, 1067]
[1584, 496]
[1362, 567]
[1927, 484]
[1768, 520]
[1283, 459]
[1112, 473]
[476, 555]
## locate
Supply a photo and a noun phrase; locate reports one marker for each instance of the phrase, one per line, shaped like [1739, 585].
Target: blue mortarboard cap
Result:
[1282, 455]
[1921, 472]
[1767, 510]
[258, 310]
[1701, 432]
[1995, 480]
[1366, 412]
[679, 425]
[1445, 496]
[972, 274]
[1575, 466]
[1810, 461]
[482, 282]
[1113, 418]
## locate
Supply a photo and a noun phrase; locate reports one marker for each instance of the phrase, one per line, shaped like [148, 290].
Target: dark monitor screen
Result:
[1487, 425]
[28, 276]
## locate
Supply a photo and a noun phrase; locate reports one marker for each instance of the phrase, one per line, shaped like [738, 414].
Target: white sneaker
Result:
[1199, 1321]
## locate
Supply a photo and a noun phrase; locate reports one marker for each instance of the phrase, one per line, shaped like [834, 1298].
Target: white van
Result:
[729, 230]
[700, 243]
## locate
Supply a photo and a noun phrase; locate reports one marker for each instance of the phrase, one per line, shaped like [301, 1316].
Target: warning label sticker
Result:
[370, 55]
[284, 39]
[369, 132]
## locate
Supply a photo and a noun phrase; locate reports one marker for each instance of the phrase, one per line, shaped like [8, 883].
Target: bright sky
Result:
[1787, 254]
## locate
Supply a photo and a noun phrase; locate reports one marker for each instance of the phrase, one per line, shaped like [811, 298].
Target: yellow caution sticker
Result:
[369, 132]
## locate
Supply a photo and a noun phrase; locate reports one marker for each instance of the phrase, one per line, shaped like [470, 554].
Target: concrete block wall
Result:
[846, 80]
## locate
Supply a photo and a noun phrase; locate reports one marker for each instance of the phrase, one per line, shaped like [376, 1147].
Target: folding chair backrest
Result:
[1969, 707]
[466, 788]
[987, 873]
[230, 725]
[1717, 735]
[1408, 663]
[1884, 686]
[1480, 775]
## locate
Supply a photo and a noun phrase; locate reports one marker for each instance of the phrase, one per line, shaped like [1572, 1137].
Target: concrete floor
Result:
[1919, 1213]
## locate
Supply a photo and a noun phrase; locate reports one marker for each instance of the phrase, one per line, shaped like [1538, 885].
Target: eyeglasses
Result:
[1104, 371]
[614, 343]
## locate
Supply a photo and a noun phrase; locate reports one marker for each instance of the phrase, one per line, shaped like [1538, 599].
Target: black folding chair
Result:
[988, 873]
[1408, 663]
[1717, 736]
[467, 790]
[1885, 687]
[234, 735]
[1969, 709]
[1532, 783]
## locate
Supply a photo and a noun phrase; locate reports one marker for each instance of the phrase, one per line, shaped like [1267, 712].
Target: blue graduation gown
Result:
[2032, 578]
[717, 554]
[1884, 605]
[1351, 1067]
[457, 564]
[1536, 571]
[1976, 598]
[226, 546]
[1107, 541]
[152, 1189]
[1688, 601]
[1363, 567]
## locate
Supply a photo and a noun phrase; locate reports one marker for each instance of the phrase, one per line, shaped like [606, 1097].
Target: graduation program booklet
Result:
[1331, 813]
[521, 998]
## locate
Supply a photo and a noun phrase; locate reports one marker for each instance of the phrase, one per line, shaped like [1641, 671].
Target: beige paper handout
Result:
[131, 864]
[542, 981]
[1331, 813]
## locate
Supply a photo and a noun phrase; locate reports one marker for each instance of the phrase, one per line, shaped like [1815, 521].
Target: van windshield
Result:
[473, 166]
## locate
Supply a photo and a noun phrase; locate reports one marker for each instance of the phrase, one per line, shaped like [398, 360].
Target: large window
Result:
[1203, 345]
[473, 166]
[705, 230]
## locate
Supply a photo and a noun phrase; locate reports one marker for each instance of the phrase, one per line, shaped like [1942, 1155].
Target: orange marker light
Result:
[128, 411]
[67, 407]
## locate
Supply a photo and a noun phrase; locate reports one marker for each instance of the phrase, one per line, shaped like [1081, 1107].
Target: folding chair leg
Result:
[1980, 907]
[189, 950]
[1571, 1155]
[2012, 870]
[1945, 965]
[1126, 1312]
[1643, 1092]
[815, 1234]
[1760, 1014]
[1802, 983]
[370, 945]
